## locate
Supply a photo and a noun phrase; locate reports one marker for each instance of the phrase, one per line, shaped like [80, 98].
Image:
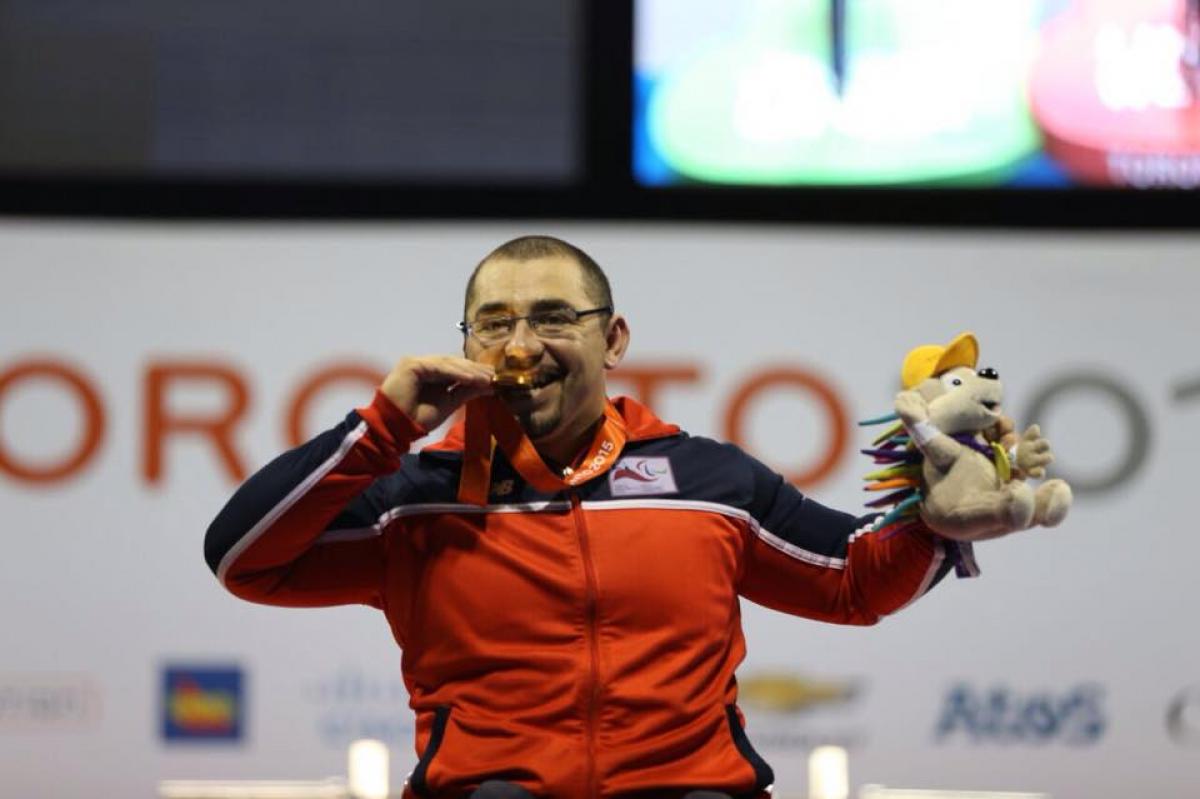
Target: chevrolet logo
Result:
[789, 693]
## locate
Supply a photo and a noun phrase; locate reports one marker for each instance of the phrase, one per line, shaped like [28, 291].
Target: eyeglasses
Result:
[551, 323]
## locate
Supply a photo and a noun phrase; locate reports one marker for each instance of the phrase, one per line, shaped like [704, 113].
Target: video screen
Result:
[924, 93]
[459, 91]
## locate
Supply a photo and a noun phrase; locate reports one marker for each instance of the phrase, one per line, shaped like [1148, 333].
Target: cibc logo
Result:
[38, 702]
[1183, 717]
[1006, 716]
[353, 703]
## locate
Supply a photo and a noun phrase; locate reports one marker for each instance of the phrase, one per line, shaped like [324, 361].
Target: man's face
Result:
[569, 391]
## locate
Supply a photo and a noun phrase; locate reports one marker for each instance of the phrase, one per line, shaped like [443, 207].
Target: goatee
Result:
[535, 425]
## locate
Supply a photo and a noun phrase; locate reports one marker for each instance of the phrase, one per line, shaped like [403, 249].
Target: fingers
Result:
[1003, 431]
[1035, 456]
[467, 391]
[451, 370]
[432, 387]
[1035, 459]
[1032, 441]
[1033, 452]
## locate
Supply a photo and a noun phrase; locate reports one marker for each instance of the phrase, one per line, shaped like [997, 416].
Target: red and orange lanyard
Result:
[489, 424]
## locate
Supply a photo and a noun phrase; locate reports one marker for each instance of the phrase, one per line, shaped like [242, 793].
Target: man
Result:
[567, 604]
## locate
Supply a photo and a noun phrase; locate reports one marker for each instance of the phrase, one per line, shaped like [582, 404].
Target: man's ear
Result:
[616, 341]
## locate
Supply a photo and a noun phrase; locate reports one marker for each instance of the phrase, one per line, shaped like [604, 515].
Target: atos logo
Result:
[202, 703]
[1002, 715]
[1183, 717]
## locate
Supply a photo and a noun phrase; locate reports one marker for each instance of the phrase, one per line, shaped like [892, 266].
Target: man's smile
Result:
[524, 399]
[537, 380]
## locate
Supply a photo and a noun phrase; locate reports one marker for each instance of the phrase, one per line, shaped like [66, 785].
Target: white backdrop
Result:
[1065, 668]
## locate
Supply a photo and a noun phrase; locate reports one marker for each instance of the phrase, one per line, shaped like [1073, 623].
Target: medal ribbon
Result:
[489, 424]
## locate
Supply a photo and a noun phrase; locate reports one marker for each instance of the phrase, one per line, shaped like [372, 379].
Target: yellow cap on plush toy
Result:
[928, 360]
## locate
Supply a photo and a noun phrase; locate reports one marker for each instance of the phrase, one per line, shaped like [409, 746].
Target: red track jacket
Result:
[581, 644]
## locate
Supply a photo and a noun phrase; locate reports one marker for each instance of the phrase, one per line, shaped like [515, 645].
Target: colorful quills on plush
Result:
[899, 482]
[887, 417]
[891, 432]
[907, 507]
[892, 498]
[903, 470]
[899, 475]
[892, 455]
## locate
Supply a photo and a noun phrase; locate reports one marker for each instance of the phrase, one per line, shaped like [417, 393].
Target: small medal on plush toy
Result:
[942, 462]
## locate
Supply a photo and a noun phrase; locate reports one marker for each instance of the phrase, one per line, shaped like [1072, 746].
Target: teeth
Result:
[523, 381]
[512, 380]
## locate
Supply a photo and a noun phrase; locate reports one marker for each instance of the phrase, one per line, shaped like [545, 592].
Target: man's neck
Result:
[561, 452]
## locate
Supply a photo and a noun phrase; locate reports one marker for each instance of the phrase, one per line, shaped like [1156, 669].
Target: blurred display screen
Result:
[1042, 93]
[458, 90]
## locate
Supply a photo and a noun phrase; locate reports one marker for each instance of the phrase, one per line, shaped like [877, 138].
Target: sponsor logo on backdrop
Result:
[1003, 715]
[52, 702]
[1183, 717]
[351, 703]
[202, 703]
[790, 711]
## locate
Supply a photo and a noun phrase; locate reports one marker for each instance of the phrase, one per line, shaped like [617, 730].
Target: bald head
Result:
[531, 248]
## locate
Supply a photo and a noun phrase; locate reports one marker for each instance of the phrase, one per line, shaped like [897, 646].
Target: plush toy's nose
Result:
[989, 374]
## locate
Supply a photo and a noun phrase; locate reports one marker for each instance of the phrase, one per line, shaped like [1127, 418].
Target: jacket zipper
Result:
[593, 686]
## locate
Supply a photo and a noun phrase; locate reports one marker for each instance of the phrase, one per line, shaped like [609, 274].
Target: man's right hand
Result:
[429, 389]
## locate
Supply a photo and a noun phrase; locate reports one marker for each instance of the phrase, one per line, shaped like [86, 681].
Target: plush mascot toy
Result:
[951, 459]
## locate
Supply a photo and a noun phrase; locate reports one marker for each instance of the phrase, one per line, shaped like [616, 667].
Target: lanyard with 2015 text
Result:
[489, 424]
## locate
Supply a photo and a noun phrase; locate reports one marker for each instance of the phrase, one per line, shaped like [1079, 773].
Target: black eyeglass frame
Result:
[467, 328]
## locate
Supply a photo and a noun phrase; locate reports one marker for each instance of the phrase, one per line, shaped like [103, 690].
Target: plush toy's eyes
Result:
[951, 381]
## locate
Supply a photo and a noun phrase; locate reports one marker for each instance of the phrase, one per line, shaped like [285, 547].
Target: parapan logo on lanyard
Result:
[489, 424]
